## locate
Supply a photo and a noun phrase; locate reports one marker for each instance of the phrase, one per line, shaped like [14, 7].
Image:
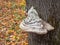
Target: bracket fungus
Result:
[33, 23]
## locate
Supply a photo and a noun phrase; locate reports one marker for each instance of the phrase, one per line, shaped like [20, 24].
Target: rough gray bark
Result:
[49, 10]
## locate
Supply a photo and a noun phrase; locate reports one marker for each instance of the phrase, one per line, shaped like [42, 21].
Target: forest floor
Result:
[11, 14]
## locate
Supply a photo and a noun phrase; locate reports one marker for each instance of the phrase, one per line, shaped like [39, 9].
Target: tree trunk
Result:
[49, 10]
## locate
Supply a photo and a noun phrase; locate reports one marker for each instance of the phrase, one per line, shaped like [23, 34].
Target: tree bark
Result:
[48, 10]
